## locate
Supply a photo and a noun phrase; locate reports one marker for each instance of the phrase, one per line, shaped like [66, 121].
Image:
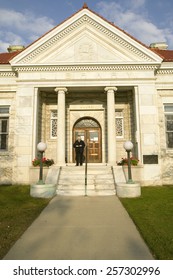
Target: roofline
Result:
[62, 22]
[122, 30]
[11, 56]
[85, 6]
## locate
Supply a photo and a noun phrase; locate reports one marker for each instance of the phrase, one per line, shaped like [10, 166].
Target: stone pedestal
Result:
[128, 190]
[34, 174]
[44, 191]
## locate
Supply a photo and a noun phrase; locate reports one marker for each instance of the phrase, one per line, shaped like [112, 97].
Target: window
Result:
[54, 124]
[86, 122]
[119, 123]
[4, 124]
[169, 124]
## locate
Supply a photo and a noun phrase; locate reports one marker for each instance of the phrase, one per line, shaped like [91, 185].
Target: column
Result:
[35, 122]
[111, 129]
[61, 126]
[137, 120]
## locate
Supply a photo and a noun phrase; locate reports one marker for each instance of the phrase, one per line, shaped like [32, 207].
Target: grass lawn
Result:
[153, 215]
[17, 211]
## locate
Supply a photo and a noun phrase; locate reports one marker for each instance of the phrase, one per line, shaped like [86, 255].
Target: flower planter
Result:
[128, 190]
[137, 173]
[44, 190]
[124, 161]
[34, 174]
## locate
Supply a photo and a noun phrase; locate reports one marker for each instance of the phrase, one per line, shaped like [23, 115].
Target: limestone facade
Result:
[86, 70]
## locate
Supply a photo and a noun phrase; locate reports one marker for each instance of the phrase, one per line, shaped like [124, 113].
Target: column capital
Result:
[110, 88]
[60, 90]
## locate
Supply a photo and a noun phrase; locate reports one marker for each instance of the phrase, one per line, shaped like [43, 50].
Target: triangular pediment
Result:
[85, 38]
[83, 48]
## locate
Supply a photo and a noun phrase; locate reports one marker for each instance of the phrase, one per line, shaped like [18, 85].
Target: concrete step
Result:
[82, 171]
[89, 187]
[90, 180]
[89, 176]
[100, 180]
[88, 192]
[90, 169]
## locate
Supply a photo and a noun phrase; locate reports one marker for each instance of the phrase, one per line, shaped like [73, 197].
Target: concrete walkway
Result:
[81, 228]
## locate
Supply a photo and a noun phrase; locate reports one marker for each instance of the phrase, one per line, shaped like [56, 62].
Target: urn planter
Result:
[43, 190]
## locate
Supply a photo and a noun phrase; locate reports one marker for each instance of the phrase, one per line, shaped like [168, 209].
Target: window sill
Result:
[4, 153]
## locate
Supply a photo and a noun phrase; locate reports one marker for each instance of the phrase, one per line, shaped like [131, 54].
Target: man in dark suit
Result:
[79, 146]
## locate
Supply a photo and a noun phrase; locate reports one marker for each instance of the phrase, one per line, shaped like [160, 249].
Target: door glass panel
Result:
[80, 133]
[93, 147]
[93, 136]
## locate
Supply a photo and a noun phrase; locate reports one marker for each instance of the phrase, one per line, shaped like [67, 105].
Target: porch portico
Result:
[110, 125]
[103, 116]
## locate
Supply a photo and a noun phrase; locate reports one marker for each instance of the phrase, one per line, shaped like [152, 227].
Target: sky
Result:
[23, 21]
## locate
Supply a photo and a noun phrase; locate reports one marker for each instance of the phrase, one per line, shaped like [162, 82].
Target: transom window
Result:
[4, 124]
[86, 123]
[119, 119]
[168, 109]
[53, 124]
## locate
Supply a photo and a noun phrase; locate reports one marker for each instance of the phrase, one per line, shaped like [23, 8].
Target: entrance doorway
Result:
[90, 133]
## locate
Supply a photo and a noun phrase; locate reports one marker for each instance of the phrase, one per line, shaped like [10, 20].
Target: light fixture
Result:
[41, 147]
[128, 146]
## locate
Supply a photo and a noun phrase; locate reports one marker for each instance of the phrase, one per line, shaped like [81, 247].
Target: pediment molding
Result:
[118, 38]
[85, 68]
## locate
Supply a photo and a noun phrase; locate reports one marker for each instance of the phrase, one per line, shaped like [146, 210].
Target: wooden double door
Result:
[92, 138]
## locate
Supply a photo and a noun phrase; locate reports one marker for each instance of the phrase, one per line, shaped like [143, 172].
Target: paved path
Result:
[71, 228]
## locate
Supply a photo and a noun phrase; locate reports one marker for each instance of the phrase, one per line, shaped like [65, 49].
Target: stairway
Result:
[100, 181]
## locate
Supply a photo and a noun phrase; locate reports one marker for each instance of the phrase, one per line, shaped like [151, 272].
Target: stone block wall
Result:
[24, 134]
[8, 157]
[165, 96]
[148, 114]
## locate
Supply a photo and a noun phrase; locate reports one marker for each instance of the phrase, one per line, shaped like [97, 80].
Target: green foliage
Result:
[17, 211]
[153, 215]
[45, 161]
[124, 161]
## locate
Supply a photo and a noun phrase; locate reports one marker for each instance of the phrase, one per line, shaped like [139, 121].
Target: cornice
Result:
[165, 71]
[78, 68]
[81, 68]
[82, 21]
[7, 74]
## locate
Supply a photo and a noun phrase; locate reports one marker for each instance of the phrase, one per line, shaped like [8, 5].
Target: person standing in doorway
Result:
[79, 146]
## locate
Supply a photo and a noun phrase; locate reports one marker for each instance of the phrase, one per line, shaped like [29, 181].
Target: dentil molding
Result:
[82, 21]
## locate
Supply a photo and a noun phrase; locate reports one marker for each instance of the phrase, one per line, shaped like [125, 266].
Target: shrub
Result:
[45, 161]
[124, 161]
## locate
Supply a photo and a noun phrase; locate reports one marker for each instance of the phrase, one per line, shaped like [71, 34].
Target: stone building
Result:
[87, 77]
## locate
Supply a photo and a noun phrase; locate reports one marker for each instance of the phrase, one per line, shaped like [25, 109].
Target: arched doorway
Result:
[90, 132]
